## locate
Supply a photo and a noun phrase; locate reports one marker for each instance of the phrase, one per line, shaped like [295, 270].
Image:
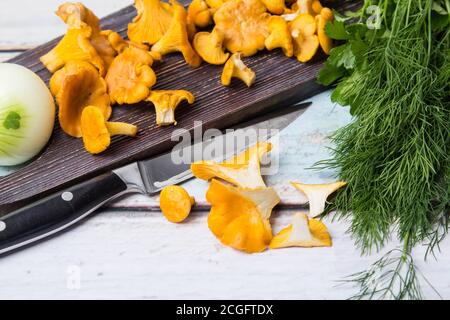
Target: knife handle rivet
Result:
[67, 196]
[2, 226]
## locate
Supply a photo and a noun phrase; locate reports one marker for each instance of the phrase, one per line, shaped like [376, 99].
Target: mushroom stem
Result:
[121, 128]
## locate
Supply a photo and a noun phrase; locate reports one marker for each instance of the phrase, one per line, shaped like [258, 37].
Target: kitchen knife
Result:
[65, 209]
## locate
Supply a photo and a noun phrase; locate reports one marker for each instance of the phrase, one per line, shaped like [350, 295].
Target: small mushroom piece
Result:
[317, 195]
[244, 24]
[199, 13]
[311, 7]
[275, 6]
[166, 102]
[176, 38]
[210, 47]
[153, 20]
[75, 87]
[326, 43]
[130, 76]
[243, 170]
[280, 36]
[302, 233]
[215, 4]
[235, 68]
[306, 42]
[176, 203]
[239, 218]
[97, 132]
[75, 45]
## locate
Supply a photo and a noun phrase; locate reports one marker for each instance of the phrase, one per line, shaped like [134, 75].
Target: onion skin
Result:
[27, 114]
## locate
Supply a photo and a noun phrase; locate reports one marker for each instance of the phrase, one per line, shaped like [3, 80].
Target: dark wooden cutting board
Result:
[280, 81]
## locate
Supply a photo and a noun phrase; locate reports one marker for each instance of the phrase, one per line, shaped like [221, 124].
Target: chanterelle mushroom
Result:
[166, 102]
[176, 203]
[235, 68]
[152, 21]
[239, 218]
[306, 42]
[97, 131]
[210, 47]
[75, 13]
[280, 36]
[176, 38]
[199, 13]
[317, 195]
[244, 24]
[130, 76]
[75, 87]
[75, 45]
[243, 170]
[302, 233]
[275, 6]
[326, 42]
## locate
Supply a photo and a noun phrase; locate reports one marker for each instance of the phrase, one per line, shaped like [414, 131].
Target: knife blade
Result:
[64, 210]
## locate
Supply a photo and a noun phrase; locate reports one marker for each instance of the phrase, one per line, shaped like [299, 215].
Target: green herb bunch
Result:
[394, 73]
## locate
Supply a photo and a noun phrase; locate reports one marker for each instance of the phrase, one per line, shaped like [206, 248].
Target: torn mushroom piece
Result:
[311, 7]
[306, 42]
[280, 36]
[317, 195]
[176, 38]
[166, 102]
[130, 76]
[326, 43]
[302, 233]
[235, 68]
[97, 131]
[73, 14]
[199, 13]
[244, 24]
[239, 218]
[243, 170]
[176, 203]
[210, 47]
[153, 20]
[75, 45]
[75, 87]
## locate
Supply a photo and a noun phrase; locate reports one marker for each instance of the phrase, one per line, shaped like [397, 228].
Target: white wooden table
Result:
[130, 251]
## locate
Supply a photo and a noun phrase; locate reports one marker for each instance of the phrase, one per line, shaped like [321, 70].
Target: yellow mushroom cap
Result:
[244, 24]
[176, 203]
[75, 45]
[317, 195]
[302, 233]
[280, 36]
[326, 42]
[152, 21]
[210, 47]
[275, 6]
[243, 170]
[306, 42]
[176, 38]
[235, 68]
[199, 13]
[166, 102]
[77, 86]
[239, 218]
[130, 76]
[96, 136]
[97, 131]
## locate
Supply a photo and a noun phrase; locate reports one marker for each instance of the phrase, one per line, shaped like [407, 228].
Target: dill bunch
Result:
[395, 155]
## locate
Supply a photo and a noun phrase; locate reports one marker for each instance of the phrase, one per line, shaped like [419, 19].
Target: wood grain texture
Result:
[64, 162]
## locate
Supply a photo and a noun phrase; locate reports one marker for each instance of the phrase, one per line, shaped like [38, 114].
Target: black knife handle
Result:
[52, 215]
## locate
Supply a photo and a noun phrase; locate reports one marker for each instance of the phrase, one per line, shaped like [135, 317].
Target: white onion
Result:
[27, 114]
